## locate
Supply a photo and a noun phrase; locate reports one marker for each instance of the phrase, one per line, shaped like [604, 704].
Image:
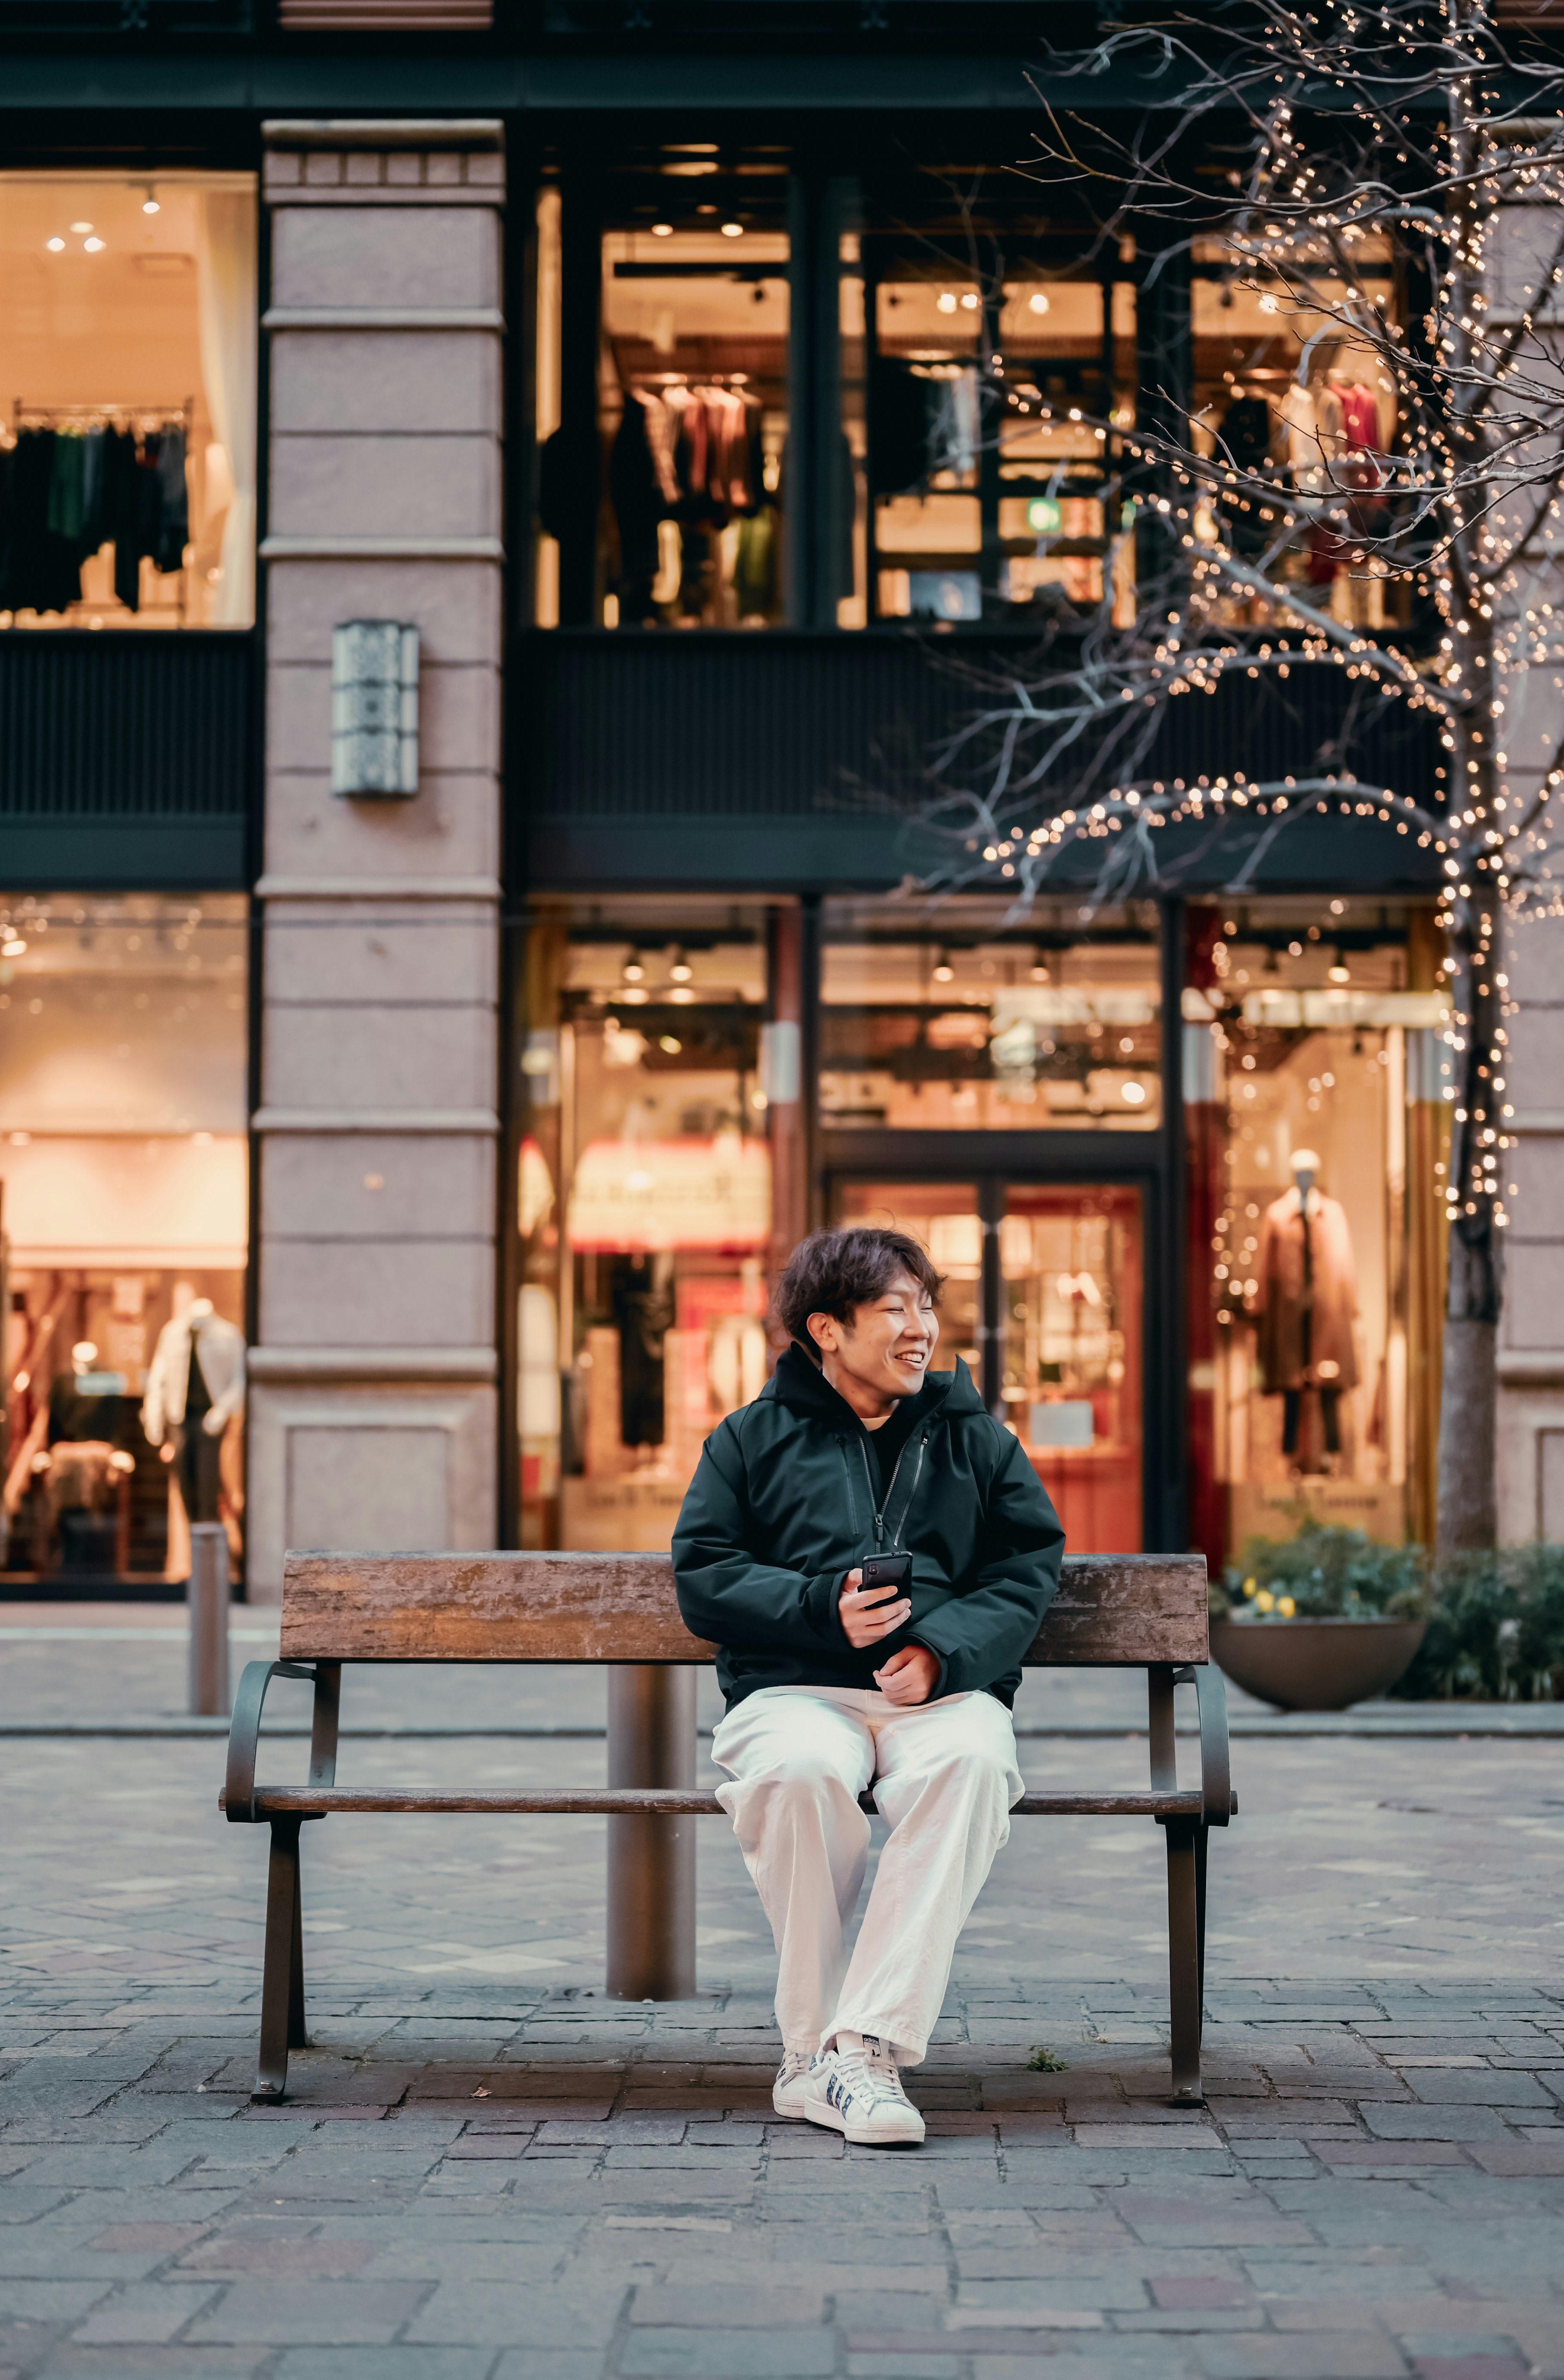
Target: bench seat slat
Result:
[563, 1800]
[1112, 1609]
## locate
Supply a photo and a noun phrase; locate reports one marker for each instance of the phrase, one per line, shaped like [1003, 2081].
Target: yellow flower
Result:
[1264, 1600]
[1286, 1605]
[1251, 1588]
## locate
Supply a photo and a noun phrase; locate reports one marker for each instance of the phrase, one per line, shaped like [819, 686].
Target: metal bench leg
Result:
[1202, 1845]
[1184, 1864]
[282, 1989]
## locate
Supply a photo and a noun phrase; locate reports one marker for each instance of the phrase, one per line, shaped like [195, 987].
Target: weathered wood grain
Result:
[1112, 1609]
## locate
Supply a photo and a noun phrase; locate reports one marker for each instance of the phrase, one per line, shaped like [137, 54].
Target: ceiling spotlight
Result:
[81, 226]
[633, 971]
[1039, 972]
[1037, 302]
[946, 301]
[150, 205]
[13, 947]
[969, 300]
[662, 231]
[55, 246]
[1339, 974]
[1134, 1094]
[92, 246]
[943, 971]
[681, 970]
[732, 231]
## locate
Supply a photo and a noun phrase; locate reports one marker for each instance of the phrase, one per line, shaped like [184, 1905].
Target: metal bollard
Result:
[651, 1860]
[206, 1601]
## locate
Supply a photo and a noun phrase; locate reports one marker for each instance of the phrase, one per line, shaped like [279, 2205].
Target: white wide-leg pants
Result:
[944, 1775]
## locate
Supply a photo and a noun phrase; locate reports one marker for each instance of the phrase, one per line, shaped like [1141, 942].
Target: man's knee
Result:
[979, 1776]
[795, 1776]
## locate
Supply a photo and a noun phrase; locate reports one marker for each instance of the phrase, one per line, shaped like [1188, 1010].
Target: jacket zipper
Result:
[896, 1473]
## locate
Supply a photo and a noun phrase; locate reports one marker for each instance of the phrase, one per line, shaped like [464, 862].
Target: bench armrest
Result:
[244, 1729]
[1216, 1771]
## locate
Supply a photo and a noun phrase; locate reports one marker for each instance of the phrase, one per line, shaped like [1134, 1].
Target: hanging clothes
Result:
[40, 567]
[757, 568]
[173, 502]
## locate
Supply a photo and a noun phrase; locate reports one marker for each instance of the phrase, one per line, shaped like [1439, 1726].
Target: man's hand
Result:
[909, 1676]
[866, 1617]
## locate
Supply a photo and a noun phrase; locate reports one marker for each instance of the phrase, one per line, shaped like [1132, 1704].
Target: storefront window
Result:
[127, 454]
[1050, 1331]
[124, 1173]
[961, 1019]
[1285, 395]
[987, 441]
[660, 1144]
[693, 396]
[1317, 1133]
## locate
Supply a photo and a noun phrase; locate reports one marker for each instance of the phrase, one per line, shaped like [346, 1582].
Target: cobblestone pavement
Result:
[489, 2172]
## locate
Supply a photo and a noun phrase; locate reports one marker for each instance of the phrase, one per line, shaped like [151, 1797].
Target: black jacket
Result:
[785, 1502]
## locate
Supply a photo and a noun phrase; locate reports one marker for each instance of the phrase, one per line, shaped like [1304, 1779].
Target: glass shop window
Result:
[1318, 1128]
[965, 1020]
[660, 1145]
[1286, 397]
[124, 1173]
[127, 355]
[988, 440]
[693, 400]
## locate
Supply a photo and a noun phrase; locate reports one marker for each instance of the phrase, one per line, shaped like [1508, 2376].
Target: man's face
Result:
[886, 1347]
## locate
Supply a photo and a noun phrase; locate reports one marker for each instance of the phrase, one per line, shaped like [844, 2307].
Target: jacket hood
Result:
[799, 1383]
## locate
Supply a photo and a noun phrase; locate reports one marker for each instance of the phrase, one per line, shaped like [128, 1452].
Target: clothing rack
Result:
[41, 416]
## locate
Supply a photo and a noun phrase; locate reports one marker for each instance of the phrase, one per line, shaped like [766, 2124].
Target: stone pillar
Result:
[373, 1406]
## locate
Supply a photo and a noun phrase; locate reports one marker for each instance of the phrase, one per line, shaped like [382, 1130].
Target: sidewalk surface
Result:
[489, 2172]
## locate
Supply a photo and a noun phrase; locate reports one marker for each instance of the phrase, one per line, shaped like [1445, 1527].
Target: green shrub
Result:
[1325, 1573]
[1495, 1628]
[1495, 1620]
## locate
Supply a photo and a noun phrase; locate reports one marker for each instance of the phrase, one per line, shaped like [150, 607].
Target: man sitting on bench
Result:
[855, 1450]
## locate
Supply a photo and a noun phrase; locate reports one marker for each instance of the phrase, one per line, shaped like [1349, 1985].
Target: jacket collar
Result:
[799, 1383]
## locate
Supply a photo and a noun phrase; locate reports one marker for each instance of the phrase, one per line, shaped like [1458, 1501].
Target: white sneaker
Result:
[858, 2093]
[787, 2091]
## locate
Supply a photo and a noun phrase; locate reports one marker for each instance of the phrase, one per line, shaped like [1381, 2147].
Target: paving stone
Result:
[147, 2313]
[705, 2355]
[328, 2313]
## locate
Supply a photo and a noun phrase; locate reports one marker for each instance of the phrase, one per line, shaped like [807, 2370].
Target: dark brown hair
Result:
[831, 1273]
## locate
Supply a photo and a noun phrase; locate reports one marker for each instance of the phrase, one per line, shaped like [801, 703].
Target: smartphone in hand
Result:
[886, 1575]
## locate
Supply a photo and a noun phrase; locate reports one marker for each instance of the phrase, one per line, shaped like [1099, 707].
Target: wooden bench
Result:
[1134, 1610]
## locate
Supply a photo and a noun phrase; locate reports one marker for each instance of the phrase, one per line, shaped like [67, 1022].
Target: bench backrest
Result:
[1112, 1609]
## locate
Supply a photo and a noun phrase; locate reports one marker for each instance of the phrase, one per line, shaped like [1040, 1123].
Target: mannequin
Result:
[1305, 1306]
[194, 1385]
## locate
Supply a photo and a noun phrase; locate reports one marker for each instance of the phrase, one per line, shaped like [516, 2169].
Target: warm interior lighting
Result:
[54, 245]
[633, 971]
[1134, 1093]
[81, 226]
[732, 231]
[13, 948]
[1037, 302]
[662, 231]
[92, 246]
[946, 301]
[943, 971]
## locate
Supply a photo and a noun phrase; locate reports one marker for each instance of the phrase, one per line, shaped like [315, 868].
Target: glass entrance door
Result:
[1045, 1304]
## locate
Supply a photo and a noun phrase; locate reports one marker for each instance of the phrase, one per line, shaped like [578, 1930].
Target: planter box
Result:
[1316, 1664]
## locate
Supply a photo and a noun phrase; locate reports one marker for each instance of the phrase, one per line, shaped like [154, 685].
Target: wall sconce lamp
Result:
[375, 710]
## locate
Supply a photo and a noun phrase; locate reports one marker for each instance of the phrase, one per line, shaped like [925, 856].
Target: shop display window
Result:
[692, 392]
[1314, 1074]
[987, 410]
[128, 359]
[124, 1182]
[659, 1146]
[962, 1018]
[1283, 392]
[1043, 1303]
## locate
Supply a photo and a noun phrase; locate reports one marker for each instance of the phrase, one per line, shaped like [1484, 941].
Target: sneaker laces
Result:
[873, 2070]
[794, 2063]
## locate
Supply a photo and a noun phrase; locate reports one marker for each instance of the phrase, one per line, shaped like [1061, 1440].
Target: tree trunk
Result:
[1468, 1507]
